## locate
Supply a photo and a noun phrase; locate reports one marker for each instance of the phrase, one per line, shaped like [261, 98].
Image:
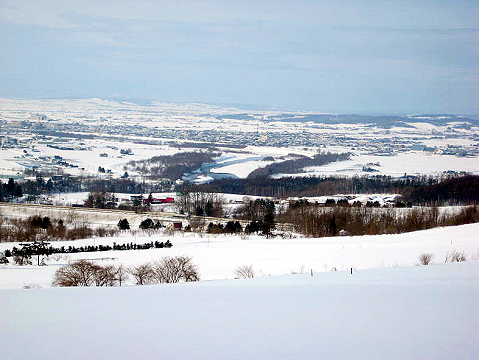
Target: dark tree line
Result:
[255, 210]
[10, 190]
[29, 249]
[172, 166]
[42, 186]
[295, 165]
[76, 184]
[318, 221]
[101, 200]
[463, 190]
[448, 188]
[438, 190]
[231, 227]
[37, 227]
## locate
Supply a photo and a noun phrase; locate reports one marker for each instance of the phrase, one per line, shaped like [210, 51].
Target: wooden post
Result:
[311, 272]
[351, 271]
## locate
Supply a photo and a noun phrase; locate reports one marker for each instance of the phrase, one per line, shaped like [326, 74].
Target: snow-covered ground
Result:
[304, 302]
[427, 312]
[112, 124]
[217, 256]
[411, 163]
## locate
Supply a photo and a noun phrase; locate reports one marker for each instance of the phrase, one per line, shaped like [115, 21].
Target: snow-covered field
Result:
[411, 163]
[217, 256]
[427, 312]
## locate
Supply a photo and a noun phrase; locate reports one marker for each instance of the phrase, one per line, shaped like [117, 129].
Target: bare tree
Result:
[173, 270]
[78, 273]
[244, 272]
[143, 274]
[211, 204]
[121, 274]
[425, 258]
[71, 216]
[197, 223]
[105, 275]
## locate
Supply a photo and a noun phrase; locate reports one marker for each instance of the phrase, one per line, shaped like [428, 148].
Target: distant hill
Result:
[381, 121]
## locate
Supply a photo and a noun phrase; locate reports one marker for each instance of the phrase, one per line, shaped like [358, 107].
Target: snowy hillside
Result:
[218, 256]
[427, 312]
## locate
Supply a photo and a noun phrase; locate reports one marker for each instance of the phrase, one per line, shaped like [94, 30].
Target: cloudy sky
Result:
[333, 56]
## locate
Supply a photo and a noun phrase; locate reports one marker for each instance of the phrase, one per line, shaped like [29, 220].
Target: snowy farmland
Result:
[342, 297]
[79, 136]
[427, 312]
[388, 308]
[217, 256]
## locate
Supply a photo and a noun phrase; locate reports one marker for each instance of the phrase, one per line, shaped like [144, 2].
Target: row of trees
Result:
[454, 189]
[450, 188]
[101, 200]
[44, 228]
[462, 190]
[316, 221]
[23, 255]
[165, 270]
[200, 203]
[171, 166]
[296, 165]
[146, 224]
[93, 184]
[231, 227]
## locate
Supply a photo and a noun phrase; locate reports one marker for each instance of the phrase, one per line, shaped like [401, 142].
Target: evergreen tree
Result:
[209, 209]
[10, 189]
[332, 227]
[123, 224]
[268, 223]
[253, 227]
[147, 224]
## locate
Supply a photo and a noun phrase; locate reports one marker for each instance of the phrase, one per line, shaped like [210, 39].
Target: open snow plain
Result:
[426, 312]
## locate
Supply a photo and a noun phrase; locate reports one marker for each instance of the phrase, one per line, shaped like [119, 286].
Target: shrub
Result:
[76, 233]
[32, 286]
[22, 260]
[244, 272]
[215, 228]
[455, 256]
[425, 259]
[101, 232]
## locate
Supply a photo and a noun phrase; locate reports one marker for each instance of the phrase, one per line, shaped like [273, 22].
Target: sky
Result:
[332, 56]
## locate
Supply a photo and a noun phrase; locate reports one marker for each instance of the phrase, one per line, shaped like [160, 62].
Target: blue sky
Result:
[332, 56]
